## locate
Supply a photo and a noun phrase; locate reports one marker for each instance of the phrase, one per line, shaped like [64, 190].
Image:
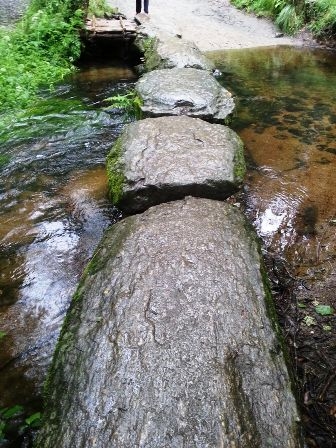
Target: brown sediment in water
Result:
[41, 288]
[288, 126]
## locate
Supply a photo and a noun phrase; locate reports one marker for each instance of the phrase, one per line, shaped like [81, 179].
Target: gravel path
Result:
[211, 24]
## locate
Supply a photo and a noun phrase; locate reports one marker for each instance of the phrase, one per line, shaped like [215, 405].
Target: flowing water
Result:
[53, 212]
[54, 207]
[286, 117]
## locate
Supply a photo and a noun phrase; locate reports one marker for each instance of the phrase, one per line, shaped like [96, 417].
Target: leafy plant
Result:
[289, 20]
[39, 51]
[292, 15]
[324, 310]
[13, 417]
[99, 8]
[130, 102]
[34, 421]
[6, 415]
[309, 321]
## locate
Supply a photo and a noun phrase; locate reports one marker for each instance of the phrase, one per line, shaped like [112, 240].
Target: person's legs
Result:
[146, 6]
[138, 6]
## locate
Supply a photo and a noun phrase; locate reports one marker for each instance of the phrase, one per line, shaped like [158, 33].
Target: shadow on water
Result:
[286, 117]
[53, 212]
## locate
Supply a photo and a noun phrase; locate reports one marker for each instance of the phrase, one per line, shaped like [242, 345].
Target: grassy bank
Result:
[292, 15]
[39, 51]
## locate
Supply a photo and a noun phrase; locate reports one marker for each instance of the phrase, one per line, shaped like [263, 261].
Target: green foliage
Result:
[39, 51]
[34, 421]
[2, 335]
[130, 102]
[292, 15]
[99, 8]
[6, 415]
[13, 417]
[289, 20]
[115, 175]
[324, 310]
[323, 13]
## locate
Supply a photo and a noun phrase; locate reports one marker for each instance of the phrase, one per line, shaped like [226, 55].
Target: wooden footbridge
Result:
[116, 28]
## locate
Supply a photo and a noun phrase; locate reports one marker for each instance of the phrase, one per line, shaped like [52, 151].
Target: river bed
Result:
[54, 209]
[286, 116]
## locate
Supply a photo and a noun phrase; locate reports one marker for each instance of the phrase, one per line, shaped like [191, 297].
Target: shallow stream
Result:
[53, 212]
[53, 196]
[286, 117]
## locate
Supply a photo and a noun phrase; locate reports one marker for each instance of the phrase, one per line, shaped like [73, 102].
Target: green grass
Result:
[39, 51]
[292, 15]
[99, 8]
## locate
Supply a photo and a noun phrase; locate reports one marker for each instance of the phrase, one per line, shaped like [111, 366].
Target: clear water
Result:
[286, 117]
[53, 212]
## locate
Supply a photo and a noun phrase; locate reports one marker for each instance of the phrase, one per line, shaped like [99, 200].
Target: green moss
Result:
[239, 163]
[244, 411]
[4, 159]
[100, 8]
[115, 174]
[152, 58]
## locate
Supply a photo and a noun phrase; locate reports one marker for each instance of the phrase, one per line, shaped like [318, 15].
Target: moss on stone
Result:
[242, 405]
[115, 173]
[107, 250]
[152, 59]
[4, 159]
[239, 169]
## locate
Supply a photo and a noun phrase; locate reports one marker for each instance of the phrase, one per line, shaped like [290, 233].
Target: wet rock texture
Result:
[184, 91]
[173, 52]
[168, 158]
[168, 343]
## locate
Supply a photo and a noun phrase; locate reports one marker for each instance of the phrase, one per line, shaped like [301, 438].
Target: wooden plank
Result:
[110, 26]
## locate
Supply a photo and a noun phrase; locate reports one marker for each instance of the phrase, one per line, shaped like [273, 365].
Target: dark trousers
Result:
[138, 6]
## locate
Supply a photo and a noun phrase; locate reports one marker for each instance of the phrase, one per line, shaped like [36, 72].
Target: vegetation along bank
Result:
[292, 15]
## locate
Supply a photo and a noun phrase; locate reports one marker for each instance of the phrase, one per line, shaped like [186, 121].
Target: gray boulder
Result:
[184, 91]
[173, 52]
[168, 341]
[163, 159]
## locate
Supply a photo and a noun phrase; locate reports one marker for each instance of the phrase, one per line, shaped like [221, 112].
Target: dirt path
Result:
[211, 24]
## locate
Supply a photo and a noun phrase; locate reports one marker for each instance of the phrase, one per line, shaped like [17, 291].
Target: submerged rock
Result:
[168, 342]
[163, 159]
[184, 91]
[173, 52]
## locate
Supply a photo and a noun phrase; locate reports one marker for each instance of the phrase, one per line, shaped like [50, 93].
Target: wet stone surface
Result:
[173, 52]
[184, 91]
[168, 158]
[169, 344]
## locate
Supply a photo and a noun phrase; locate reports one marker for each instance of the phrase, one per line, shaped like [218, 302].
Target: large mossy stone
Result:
[168, 341]
[163, 159]
[173, 52]
[184, 91]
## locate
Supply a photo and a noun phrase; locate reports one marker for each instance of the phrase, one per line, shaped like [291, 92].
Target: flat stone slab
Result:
[173, 52]
[184, 91]
[168, 342]
[163, 159]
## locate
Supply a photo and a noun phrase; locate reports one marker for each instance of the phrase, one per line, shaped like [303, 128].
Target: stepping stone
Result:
[184, 91]
[163, 159]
